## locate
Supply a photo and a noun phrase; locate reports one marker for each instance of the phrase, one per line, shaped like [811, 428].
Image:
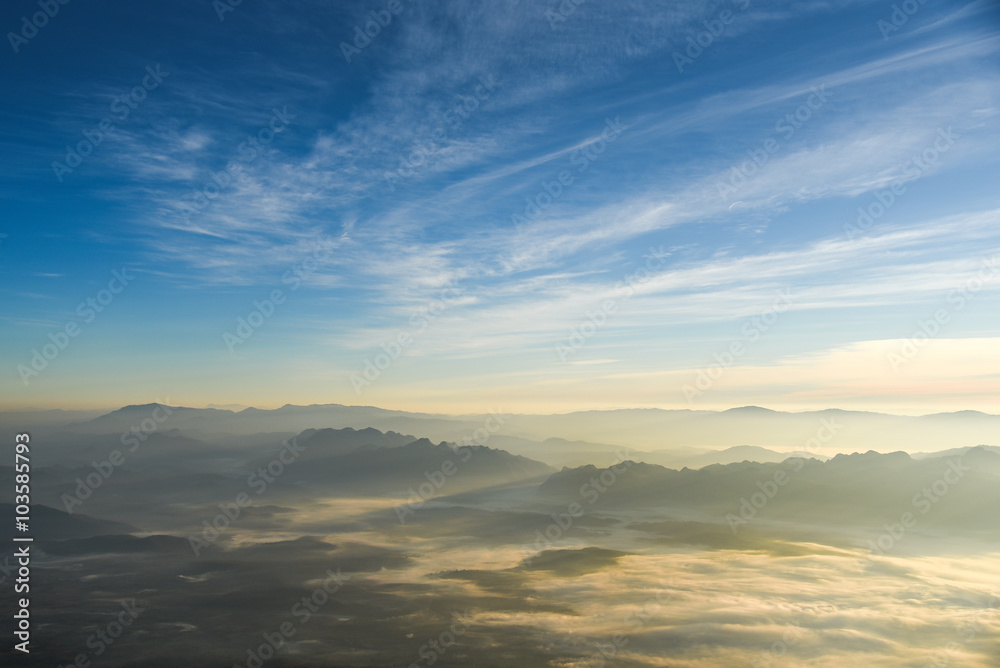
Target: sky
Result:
[538, 206]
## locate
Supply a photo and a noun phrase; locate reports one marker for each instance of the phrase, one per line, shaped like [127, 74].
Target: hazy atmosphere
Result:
[559, 333]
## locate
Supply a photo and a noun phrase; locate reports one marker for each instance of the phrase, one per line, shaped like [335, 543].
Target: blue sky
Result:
[526, 205]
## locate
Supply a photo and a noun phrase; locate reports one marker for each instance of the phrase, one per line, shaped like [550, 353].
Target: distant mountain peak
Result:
[959, 414]
[144, 407]
[422, 443]
[897, 455]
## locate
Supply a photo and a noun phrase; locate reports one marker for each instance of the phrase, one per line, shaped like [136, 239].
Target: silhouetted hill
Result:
[640, 429]
[50, 524]
[738, 453]
[120, 544]
[859, 489]
[378, 469]
[325, 442]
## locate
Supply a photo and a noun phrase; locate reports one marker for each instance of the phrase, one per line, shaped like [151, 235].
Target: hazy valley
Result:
[460, 552]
